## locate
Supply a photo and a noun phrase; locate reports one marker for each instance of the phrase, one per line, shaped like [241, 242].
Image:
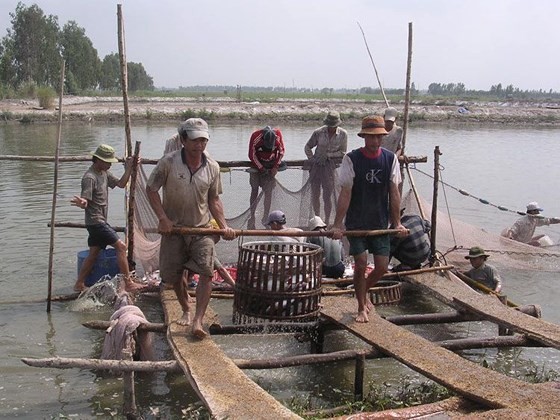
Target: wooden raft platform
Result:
[224, 389]
[468, 379]
[452, 291]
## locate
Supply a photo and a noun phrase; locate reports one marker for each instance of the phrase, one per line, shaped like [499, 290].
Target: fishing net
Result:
[292, 195]
[454, 238]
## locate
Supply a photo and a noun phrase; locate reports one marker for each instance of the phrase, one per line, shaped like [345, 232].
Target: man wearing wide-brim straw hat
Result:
[94, 200]
[481, 272]
[330, 142]
[369, 199]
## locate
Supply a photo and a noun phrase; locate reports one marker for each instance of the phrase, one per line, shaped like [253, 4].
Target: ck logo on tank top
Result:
[371, 176]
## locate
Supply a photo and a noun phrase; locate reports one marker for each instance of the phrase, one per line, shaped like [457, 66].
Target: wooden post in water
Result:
[124, 86]
[131, 206]
[433, 232]
[129, 398]
[55, 185]
[359, 376]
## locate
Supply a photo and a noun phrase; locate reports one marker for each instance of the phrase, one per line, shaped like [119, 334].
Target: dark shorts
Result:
[376, 245]
[335, 271]
[101, 235]
[180, 252]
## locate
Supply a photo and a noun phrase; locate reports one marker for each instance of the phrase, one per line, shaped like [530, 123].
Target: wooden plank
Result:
[468, 379]
[454, 292]
[225, 390]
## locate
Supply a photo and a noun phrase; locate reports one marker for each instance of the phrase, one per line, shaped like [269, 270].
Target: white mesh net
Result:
[292, 195]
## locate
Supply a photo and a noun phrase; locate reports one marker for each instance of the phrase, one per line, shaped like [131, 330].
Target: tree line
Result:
[32, 51]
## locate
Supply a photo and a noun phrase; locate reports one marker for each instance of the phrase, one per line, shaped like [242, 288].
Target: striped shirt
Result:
[413, 249]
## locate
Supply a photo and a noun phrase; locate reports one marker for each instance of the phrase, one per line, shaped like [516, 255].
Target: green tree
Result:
[82, 61]
[138, 79]
[31, 49]
[110, 78]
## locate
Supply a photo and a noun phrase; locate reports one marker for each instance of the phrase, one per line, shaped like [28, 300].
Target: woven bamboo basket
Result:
[277, 281]
[386, 292]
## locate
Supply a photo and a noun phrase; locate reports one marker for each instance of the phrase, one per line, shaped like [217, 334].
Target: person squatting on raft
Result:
[413, 249]
[191, 197]
[277, 221]
[330, 142]
[481, 272]
[369, 200]
[266, 150]
[94, 199]
[333, 251]
[524, 228]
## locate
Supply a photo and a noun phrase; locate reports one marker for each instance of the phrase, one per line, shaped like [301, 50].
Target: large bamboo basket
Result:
[277, 281]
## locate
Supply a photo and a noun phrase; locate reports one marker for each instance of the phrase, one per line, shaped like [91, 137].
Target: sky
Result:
[318, 43]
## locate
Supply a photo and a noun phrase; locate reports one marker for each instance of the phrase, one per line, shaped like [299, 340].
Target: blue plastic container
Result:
[106, 264]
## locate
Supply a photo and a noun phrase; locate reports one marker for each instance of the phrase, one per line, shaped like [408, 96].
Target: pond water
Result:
[506, 166]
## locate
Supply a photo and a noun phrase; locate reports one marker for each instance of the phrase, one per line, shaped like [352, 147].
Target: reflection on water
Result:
[496, 164]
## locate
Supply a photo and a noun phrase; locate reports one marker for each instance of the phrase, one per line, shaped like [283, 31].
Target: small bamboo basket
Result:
[386, 292]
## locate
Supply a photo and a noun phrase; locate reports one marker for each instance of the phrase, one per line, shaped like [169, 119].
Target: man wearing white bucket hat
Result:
[94, 200]
[333, 252]
[524, 228]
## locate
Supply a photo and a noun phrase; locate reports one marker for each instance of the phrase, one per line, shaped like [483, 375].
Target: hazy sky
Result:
[317, 43]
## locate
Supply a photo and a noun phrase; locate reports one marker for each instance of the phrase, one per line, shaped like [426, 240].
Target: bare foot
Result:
[185, 319]
[134, 287]
[362, 317]
[198, 331]
[369, 305]
[79, 287]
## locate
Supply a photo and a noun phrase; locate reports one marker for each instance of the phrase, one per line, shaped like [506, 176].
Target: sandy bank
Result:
[176, 109]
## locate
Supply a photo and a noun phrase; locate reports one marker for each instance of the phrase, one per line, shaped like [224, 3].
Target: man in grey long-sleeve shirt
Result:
[330, 143]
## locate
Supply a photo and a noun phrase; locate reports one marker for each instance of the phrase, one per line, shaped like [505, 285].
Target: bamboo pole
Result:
[395, 274]
[517, 340]
[290, 233]
[433, 233]
[131, 206]
[55, 187]
[145, 161]
[374, 68]
[415, 191]
[407, 90]
[82, 226]
[482, 288]
[148, 326]
[124, 79]
[101, 364]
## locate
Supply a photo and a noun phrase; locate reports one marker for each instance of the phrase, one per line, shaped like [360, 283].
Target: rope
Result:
[440, 169]
[467, 194]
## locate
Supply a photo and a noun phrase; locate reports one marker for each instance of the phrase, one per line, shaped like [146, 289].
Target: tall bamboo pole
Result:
[407, 91]
[124, 85]
[124, 80]
[55, 186]
[433, 232]
[374, 68]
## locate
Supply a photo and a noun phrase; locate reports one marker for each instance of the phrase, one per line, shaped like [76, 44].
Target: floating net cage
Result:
[277, 281]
